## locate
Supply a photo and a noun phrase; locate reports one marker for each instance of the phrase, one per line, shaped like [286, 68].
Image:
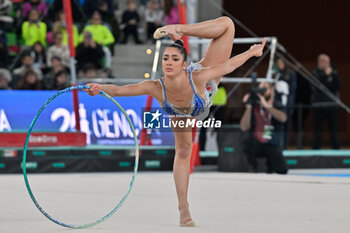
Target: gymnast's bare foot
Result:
[169, 30]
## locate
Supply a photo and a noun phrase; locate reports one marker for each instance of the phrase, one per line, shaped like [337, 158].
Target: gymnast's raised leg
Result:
[220, 30]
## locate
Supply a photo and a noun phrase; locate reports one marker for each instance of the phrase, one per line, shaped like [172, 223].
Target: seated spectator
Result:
[29, 81]
[5, 79]
[171, 12]
[56, 67]
[6, 19]
[61, 80]
[105, 6]
[130, 21]
[106, 9]
[89, 52]
[40, 5]
[100, 33]
[34, 30]
[4, 54]
[89, 71]
[39, 56]
[77, 12]
[58, 50]
[27, 64]
[153, 17]
[60, 26]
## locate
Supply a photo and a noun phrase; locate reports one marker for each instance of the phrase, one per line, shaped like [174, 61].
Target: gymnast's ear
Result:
[184, 65]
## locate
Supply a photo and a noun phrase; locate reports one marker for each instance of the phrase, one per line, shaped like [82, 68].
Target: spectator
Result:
[105, 6]
[324, 107]
[100, 33]
[27, 64]
[89, 52]
[106, 9]
[171, 12]
[34, 30]
[58, 50]
[265, 120]
[56, 66]
[290, 78]
[77, 10]
[40, 5]
[39, 56]
[4, 54]
[153, 17]
[89, 71]
[5, 79]
[61, 80]
[130, 21]
[60, 26]
[29, 81]
[302, 98]
[5, 14]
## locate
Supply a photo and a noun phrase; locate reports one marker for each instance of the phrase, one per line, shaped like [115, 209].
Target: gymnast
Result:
[187, 91]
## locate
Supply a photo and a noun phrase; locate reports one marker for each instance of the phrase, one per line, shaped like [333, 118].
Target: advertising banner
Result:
[100, 119]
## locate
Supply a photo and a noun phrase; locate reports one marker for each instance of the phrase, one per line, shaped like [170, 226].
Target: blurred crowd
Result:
[34, 53]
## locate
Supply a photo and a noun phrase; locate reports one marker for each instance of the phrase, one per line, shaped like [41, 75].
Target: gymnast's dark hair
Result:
[180, 46]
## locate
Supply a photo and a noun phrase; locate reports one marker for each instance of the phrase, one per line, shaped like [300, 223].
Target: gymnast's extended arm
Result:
[143, 88]
[216, 71]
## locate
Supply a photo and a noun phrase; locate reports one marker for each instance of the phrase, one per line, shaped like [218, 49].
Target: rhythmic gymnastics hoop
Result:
[25, 157]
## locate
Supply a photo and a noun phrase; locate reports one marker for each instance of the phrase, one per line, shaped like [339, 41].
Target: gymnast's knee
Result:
[227, 21]
[184, 150]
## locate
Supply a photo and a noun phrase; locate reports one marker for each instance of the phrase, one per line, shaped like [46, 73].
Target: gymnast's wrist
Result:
[179, 29]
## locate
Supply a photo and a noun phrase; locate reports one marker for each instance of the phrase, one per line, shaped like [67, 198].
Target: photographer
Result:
[264, 117]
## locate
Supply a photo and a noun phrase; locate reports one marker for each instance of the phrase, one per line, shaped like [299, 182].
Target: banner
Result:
[100, 119]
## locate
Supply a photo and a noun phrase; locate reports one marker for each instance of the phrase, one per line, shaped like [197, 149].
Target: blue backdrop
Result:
[100, 118]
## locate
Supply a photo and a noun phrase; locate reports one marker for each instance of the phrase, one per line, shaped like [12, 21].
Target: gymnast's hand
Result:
[94, 89]
[257, 49]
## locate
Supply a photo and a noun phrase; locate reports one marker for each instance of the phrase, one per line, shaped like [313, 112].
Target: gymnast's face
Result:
[173, 62]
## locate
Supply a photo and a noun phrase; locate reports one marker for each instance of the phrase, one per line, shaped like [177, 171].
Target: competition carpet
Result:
[220, 202]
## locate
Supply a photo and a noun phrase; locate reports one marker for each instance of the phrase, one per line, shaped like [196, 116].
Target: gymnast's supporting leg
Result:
[220, 30]
[181, 170]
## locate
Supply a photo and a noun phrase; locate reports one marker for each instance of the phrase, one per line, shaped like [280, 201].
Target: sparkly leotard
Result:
[199, 107]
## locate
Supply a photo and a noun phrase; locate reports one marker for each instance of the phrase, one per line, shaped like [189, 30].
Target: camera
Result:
[254, 90]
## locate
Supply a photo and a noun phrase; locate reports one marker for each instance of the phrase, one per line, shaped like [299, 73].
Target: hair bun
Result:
[179, 42]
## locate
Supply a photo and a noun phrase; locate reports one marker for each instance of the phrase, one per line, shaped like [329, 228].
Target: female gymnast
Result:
[183, 91]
